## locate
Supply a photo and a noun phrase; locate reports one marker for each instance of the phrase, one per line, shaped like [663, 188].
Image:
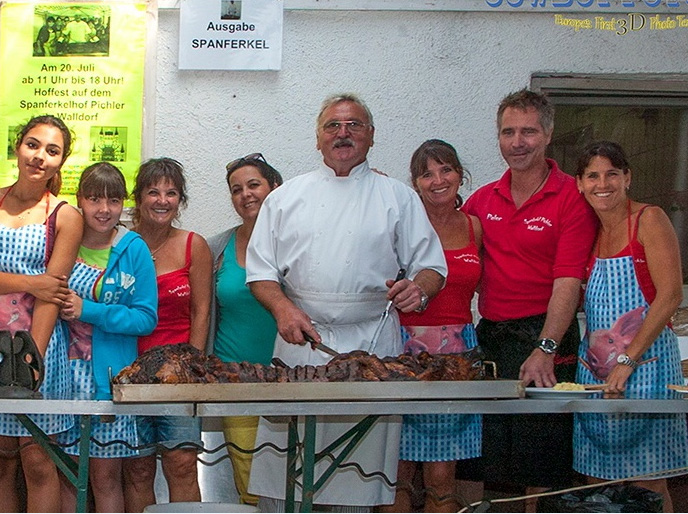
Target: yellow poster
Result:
[82, 62]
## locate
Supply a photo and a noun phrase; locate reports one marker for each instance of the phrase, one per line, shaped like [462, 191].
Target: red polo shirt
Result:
[525, 249]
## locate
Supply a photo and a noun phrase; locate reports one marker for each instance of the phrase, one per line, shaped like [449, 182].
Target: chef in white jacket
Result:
[322, 258]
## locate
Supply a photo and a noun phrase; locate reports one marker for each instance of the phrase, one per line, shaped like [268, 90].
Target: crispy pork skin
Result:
[184, 364]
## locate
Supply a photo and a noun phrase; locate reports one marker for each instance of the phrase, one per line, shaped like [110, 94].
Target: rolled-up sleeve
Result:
[418, 245]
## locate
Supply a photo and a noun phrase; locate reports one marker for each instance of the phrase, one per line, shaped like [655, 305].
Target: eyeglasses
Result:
[249, 157]
[355, 127]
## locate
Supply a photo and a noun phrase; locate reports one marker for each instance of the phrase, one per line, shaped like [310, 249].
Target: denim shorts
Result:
[169, 432]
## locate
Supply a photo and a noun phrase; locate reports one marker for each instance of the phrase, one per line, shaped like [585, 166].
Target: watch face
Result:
[424, 300]
[624, 359]
[548, 345]
[627, 361]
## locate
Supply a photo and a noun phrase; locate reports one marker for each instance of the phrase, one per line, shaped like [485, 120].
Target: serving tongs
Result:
[21, 365]
[385, 314]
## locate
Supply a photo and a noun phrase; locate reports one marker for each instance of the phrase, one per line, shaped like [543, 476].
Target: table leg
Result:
[77, 474]
[308, 464]
[353, 436]
[81, 483]
[292, 455]
[309, 458]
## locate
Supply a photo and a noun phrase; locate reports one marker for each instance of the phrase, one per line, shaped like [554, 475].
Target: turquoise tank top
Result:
[245, 330]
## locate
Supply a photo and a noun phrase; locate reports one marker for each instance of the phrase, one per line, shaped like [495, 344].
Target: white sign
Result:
[230, 34]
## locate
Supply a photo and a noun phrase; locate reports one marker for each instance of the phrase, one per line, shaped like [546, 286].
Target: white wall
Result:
[423, 74]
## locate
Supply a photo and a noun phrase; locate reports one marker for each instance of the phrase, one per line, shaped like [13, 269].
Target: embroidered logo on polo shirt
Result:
[493, 217]
[537, 223]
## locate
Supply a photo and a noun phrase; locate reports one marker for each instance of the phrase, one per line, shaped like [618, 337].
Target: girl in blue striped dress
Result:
[39, 238]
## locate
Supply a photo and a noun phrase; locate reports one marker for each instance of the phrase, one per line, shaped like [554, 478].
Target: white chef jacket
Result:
[332, 242]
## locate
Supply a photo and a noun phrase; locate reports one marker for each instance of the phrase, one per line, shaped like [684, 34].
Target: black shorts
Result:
[535, 449]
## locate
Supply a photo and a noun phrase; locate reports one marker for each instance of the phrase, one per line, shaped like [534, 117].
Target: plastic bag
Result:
[606, 498]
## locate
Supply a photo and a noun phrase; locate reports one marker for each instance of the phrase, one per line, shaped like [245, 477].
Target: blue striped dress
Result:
[23, 250]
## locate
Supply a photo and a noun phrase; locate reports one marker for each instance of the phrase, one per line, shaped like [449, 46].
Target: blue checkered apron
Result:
[23, 251]
[442, 437]
[109, 439]
[623, 445]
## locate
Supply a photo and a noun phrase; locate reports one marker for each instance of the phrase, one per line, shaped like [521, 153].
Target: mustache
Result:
[343, 141]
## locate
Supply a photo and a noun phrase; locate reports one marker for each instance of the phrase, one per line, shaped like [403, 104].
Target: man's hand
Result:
[538, 368]
[405, 294]
[292, 323]
[48, 288]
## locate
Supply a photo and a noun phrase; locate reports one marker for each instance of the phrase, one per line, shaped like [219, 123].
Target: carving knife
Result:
[319, 346]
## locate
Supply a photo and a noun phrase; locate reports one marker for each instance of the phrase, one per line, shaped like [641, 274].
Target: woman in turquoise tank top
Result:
[241, 328]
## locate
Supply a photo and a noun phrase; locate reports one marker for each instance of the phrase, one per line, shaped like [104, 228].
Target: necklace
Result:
[27, 212]
[544, 179]
[153, 252]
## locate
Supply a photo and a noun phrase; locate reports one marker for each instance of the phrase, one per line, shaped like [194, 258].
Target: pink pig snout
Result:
[606, 345]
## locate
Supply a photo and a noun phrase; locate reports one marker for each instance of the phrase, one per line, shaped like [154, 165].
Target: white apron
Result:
[331, 242]
[379, 450]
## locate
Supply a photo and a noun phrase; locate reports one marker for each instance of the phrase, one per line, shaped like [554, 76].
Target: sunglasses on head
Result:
[250, 157]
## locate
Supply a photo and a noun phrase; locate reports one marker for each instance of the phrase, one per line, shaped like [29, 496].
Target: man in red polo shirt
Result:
[537, 235]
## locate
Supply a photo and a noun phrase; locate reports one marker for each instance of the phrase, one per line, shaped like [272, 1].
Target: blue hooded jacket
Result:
[127, 308]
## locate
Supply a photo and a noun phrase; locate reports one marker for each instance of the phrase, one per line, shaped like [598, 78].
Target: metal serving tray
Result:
[318, 391]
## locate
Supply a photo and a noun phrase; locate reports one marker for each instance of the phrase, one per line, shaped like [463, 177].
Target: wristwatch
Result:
[627, 361]
[423, 302]
[547, 345]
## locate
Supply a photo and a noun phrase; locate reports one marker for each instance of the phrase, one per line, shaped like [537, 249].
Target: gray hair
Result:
[525, 99]
[343, 97]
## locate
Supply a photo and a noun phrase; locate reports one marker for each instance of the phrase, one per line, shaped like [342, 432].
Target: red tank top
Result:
[174, 307]
[636, 250]
[452, 305]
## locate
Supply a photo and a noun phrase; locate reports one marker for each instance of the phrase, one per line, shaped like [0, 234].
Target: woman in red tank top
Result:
[183, 265]
[438, 441]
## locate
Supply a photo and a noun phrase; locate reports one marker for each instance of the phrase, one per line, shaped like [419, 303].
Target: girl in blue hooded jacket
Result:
[114, 300]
